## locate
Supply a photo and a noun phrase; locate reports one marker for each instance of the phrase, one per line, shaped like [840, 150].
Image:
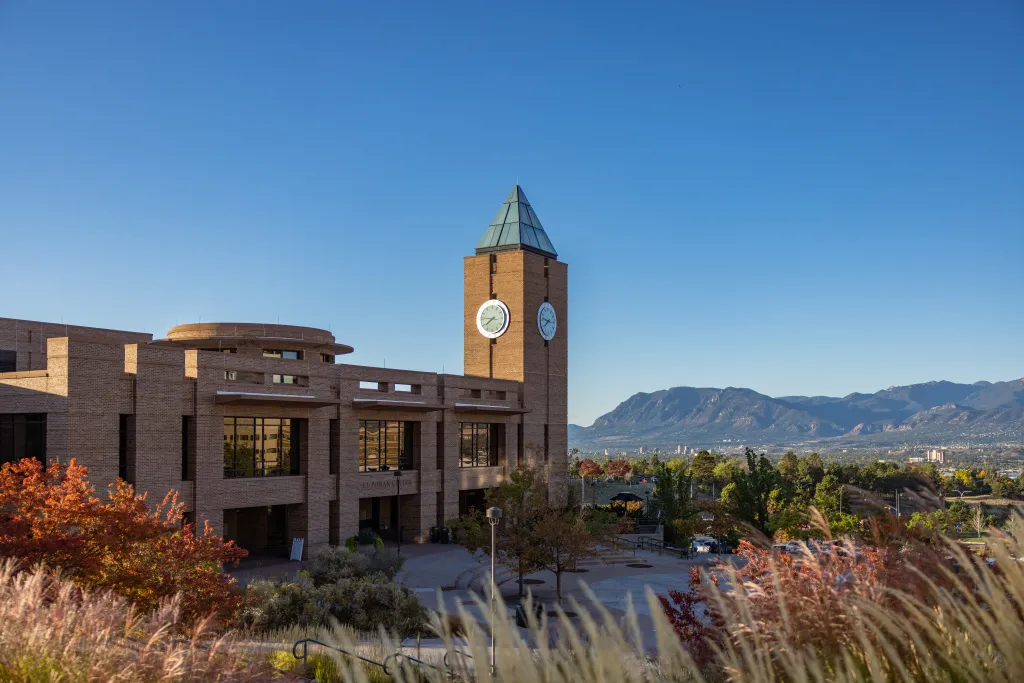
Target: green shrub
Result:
[323, 669]
[352, 543]
[367, 537]
[333, 563]
[385, 561]
[369, 602]
[271, 605]
[364, 603]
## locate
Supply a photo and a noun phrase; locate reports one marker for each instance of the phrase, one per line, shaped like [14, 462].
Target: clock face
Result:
[492, 319]
[547, 321]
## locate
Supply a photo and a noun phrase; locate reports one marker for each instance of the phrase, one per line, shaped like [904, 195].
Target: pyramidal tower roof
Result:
[516, 226]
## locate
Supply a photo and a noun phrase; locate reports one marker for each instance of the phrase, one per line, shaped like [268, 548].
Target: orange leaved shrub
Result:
[51, 516]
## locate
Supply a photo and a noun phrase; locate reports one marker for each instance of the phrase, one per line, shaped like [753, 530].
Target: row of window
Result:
[266, 446]
[275, 353]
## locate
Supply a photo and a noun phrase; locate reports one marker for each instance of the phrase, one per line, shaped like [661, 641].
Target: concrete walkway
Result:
[439, 574]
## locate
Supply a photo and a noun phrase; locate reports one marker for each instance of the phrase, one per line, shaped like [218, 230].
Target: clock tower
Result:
[516, 328]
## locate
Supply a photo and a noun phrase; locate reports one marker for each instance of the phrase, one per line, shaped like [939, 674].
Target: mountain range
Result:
[929, 412]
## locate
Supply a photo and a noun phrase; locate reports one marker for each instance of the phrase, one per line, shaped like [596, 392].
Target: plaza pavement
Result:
[439, 575]
[429, 568]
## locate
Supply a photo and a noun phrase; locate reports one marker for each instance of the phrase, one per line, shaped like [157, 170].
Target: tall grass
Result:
[961, 621]
[52, 631]
[956, 620]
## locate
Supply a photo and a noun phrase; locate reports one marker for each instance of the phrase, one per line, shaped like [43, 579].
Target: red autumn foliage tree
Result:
[817, 595]
[619, 469]
[696, 626]
[53, 517]
[589, 468]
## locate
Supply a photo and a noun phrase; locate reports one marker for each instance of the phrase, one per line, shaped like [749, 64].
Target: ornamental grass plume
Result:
[51, 630]
[842, 614]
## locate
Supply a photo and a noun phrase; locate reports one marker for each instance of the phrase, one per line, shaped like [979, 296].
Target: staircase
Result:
[609, 555]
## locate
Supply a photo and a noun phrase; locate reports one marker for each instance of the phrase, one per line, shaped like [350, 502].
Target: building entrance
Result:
[379, 515]
[472, 499]
[263, 531]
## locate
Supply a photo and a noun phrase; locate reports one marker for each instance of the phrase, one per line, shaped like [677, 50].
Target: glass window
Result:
[259, 447]
[384, 445]
[481, 444]
[285, 379]
[8, 361]
[326, 358]
[22, 436]
[286, 355]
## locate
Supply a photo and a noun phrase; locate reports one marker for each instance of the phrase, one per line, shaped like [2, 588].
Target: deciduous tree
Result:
[618, 469]
[521, 498]
[52, 516]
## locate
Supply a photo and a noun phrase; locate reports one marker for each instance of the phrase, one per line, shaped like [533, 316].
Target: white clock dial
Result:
[547, 321]
[492, 319]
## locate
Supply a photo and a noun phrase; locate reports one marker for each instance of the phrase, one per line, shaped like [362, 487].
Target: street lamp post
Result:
[493, 517]
[398, 480]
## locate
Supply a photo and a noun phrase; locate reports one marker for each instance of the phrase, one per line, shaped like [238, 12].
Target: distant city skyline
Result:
[800, 200]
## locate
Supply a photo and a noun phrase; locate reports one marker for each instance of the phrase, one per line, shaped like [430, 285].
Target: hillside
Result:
[918, 412]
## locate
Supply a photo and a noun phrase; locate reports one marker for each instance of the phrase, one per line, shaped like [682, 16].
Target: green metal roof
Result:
[516, 227]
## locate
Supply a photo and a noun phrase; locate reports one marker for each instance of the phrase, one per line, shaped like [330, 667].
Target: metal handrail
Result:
[396, 655]
[661, 547]
[458, 652]
[305, 652]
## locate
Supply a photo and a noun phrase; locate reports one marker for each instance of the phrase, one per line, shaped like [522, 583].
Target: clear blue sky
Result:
[793, 197]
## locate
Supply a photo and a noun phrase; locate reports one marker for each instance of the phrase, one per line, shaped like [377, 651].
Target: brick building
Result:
[266, 434]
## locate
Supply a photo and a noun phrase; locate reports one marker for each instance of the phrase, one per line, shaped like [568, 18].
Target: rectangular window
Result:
[334, 447]
[326, 358]
[126, 448]
[545, 443]
[8, 361]
[520, 449]
[440, 445]
[384, 445]
[260, 446]
[188, 449]
[481, 444]
[22, 436]
[243, 376]
[286, 355]
[288, 379]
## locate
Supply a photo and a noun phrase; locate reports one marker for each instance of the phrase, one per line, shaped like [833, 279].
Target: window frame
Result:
[480, 444]
[383, 460]
[286, 455]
